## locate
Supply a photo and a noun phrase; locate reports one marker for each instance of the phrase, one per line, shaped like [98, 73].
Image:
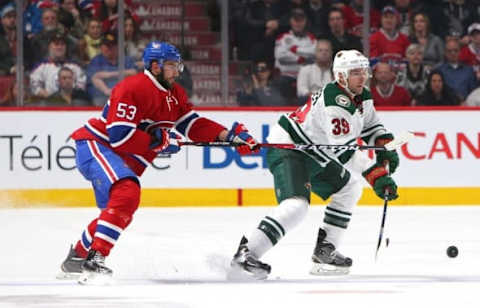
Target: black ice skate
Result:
[71, 268]
[328, 261]
[94, 270]
[244, 261]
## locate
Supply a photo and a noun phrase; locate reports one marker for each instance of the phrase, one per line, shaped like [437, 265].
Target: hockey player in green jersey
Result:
[338, 114]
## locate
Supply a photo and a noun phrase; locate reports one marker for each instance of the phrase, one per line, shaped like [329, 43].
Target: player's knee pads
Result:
[124, 200]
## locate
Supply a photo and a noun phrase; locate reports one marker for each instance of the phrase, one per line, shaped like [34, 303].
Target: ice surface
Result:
[178, 257]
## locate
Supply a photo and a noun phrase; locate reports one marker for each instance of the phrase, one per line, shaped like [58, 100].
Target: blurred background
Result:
[240, 52]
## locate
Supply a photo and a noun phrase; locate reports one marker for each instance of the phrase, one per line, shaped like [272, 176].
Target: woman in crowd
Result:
[437, 93]
[433, 45]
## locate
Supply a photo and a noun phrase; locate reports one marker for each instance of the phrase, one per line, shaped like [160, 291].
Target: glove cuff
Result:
[374, 172]
[383, 139]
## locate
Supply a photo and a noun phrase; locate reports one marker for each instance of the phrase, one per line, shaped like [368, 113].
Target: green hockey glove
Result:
[382, 183]
[390, 157]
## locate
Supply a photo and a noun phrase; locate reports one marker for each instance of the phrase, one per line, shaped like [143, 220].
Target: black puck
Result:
[452, 251]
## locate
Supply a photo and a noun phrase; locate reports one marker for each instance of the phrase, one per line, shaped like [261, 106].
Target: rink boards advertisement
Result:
[439, 166]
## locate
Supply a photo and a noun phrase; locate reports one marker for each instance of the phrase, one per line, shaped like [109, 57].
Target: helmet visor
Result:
[179, 66]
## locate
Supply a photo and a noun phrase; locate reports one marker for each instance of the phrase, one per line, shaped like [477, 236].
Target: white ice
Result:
[177, 258]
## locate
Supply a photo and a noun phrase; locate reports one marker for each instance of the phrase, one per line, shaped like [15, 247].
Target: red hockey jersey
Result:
[137, 105]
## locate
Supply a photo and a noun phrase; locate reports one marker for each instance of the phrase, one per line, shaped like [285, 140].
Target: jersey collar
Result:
[154, 80]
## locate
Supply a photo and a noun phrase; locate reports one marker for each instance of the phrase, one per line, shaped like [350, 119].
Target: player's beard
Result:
[165, 83]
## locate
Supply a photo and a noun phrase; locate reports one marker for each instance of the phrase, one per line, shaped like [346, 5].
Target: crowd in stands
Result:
[71, 50]
[414, 62]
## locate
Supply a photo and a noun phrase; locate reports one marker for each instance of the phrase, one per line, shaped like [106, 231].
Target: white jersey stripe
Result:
[109, 225]
[105, 237]
[107, 169]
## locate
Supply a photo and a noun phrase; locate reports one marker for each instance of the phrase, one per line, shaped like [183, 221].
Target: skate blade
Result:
[67, 276]
[95, 279]
[238, 273]
[322, 269]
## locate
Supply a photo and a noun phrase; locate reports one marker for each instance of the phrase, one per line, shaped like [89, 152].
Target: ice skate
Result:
[328, 261]
[71, 268]
[94, 270]
[245, 265]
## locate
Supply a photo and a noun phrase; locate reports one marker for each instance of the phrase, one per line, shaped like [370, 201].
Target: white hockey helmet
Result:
[347, 60]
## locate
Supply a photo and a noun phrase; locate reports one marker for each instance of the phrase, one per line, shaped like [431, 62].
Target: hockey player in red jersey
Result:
[114, 150]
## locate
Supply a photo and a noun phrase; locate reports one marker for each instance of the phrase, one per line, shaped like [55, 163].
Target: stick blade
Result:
[399, 140]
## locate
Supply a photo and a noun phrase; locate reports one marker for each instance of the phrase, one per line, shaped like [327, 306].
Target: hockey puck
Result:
[387, 242]
[452, 251]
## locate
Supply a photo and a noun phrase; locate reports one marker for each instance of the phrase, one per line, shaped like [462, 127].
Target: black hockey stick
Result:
[384, 216]
[382, 226]
[287, 145]
[396, 143]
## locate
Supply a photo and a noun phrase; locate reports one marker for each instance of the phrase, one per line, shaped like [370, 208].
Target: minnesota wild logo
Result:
[342, 100]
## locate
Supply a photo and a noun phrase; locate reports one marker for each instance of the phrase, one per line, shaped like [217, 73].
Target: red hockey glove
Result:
[294, 48]
[165, 142]
[239, 134]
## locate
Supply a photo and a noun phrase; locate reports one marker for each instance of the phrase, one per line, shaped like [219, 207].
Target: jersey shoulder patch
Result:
[335, 97]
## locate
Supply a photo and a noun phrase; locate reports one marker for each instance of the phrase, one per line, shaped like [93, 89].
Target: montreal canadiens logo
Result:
[342, 100]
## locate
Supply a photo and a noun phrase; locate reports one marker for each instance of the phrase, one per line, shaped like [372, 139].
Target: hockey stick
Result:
[384, 216]
[382, 225]
[396, 143]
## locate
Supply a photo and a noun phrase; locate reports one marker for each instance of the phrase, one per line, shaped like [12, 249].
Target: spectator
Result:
[44, 78]
[340, 39]
[413, 76]
[459, 77]
[89, 46]
[134, 44]
[388, 41]
[103, 71]
[293, 49]
[314, 77]
[385, 92]
[10, 97]
[8, 42]
[67, 93]
[51, 26]
[259, 89]
[353, 14]
[69, 15]
[470, 54]
[106, 11]
[433, 46]
[404, 9]
[317, 14]
[456, 16]
[263, 24]
[32, 16]
[437, 92]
